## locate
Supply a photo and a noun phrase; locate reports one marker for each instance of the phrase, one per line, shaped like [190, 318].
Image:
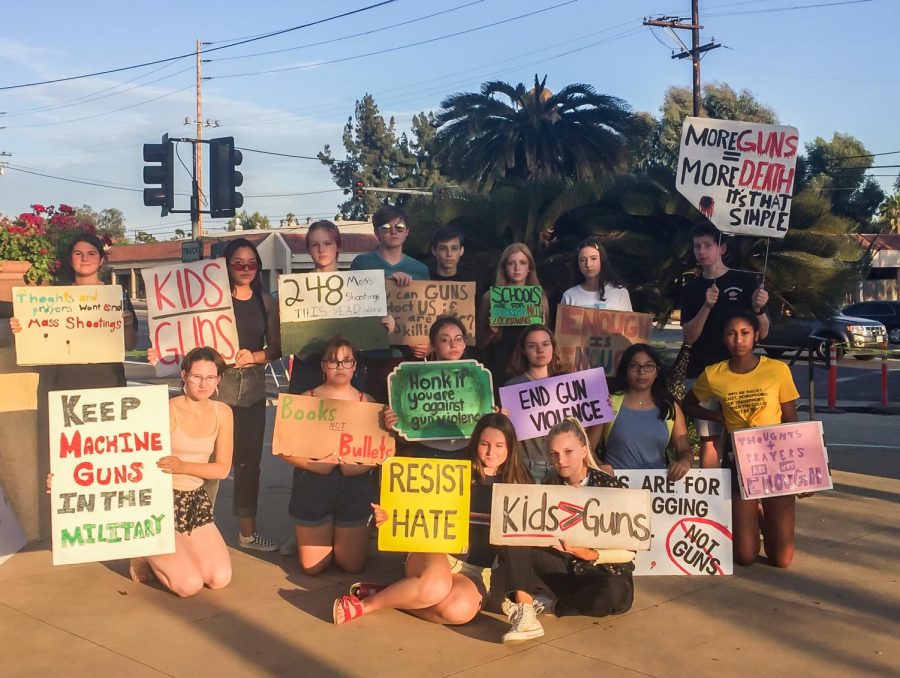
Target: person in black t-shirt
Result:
[706, 302]
[447, 248]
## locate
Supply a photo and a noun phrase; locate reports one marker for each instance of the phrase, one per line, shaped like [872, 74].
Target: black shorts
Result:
[346, 501]
[192, 509]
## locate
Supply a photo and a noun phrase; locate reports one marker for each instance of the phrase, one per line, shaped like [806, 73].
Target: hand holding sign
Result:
[760, 299]
[712, 295]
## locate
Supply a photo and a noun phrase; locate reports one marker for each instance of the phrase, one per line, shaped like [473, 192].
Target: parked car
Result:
[885, 312]
[790, 332]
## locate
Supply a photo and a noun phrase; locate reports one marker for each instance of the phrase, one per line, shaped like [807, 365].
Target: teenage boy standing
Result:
[706, 302]
[447, 248]
[391, 230]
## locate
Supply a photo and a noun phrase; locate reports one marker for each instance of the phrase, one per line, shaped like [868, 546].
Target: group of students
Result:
[219, 422]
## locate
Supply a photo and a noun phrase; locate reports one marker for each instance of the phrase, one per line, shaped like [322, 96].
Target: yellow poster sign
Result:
[427, 503]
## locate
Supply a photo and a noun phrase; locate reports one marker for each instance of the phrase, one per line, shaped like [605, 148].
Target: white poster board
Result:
[740, 175]
[189, 305]
[691, 522]
[12, 538]
[109, 499]
[69, 324]
[593, 517]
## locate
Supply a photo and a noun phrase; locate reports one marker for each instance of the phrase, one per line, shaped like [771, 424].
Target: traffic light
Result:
[162, 174]
[224, 178]
[359, 191]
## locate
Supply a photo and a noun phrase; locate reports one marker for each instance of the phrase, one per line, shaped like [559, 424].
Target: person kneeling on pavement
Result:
[581, 581]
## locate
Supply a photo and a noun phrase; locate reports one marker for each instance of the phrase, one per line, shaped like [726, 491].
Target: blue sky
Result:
[823, 69]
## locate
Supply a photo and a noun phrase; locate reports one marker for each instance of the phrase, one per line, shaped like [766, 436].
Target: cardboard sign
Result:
[516, 305]
[691, 522]
[778, 460]
[593, 517]
[440, 400]
[12, 538]
[334, 431]
[109, 499]
[314, 307]
[69, 325]
[536, 406]
[427, 503]
[416, 306]
[740, 175]
[189, 305]
[593, 337]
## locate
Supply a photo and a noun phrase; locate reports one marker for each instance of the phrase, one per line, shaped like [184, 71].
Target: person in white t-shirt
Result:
[600, 286]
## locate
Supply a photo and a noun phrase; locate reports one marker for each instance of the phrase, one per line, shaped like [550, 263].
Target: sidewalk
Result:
[835, 612]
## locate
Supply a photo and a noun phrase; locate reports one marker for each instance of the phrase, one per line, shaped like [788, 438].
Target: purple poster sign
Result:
[535, 406]
[785, 459]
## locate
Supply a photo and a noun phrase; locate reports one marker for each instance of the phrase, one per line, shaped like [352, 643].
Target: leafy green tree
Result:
[376, 156]
[837, 168]
[248, 222]
[506, 131]
[109, 221]
[144, 237]
[889, 213]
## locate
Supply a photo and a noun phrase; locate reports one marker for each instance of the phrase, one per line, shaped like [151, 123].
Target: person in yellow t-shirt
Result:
[753, 391]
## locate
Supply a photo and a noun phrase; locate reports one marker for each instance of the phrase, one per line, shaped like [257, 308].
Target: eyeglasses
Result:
[398, 227]
[648, 368]
[346, 363]
[458, 339]
[197, 379]
[243, 265]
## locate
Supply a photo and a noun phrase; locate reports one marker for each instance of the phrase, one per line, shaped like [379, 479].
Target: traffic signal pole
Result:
[197, 179]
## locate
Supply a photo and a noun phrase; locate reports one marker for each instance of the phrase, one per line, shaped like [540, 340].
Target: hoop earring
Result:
[184, 388]
[217, 391]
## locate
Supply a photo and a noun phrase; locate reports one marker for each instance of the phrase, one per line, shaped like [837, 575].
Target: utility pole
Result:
[196, 217]
[696, 50]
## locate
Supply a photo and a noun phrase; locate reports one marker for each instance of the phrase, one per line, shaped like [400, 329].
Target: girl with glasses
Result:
[243, 386]
[598, 285]
[647, 420]
[331, 503]
[200, 427]
[535, 357]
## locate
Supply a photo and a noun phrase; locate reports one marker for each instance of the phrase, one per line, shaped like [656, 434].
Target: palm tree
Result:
[535, 135]
[889, 213]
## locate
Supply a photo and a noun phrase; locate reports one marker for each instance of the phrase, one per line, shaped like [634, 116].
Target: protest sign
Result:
[328, 430]
[593, 517]
[416, 306]
[593, 337]
[69, 324]
[317, 306]
[740, 175]
[427, 504]
[784, 459]
[536, 406]
[439, 400]
[189, 305]
[11, 536]
[109, 499]
[691, 524]
[516, 305]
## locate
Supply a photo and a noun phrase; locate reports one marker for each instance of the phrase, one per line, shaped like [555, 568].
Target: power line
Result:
[194, 53]
[74, 181]
[288, 195]
[346, 37]
[394, 48]
[786, 9]
[283, 155]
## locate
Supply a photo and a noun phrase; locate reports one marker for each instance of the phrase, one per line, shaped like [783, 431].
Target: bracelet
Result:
[761, 311]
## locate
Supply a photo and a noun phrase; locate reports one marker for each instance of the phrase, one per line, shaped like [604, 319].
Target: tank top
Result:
[638, 440]
[192, 450]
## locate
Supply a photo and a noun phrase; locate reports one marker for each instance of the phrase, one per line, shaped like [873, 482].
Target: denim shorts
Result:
[317, 499]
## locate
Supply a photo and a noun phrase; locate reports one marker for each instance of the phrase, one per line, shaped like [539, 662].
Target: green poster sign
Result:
[440, 400]
[513, 305]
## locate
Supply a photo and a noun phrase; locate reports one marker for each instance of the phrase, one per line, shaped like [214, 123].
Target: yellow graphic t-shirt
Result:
[752, 399]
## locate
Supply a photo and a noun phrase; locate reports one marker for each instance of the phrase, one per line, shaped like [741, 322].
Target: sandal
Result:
[363, 589]
[349, 606]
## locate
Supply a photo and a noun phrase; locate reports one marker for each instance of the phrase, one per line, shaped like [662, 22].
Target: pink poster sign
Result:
[535, 406]
[779, 460]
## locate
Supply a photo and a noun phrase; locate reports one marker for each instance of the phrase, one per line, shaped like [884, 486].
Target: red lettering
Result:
[167, 355]
[158, 294]
[188, 288]
[66, 447]
[229, 352]
[179, 281]
[213, 284]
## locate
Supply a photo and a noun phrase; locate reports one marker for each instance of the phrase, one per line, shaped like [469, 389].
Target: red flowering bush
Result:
[41, 237]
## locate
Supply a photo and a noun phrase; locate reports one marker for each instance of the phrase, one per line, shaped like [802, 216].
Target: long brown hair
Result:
[518, 363]
[532, 278]
[513, 469]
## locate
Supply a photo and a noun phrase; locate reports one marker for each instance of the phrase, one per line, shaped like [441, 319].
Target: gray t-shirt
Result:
[534, 449]
[638, 440]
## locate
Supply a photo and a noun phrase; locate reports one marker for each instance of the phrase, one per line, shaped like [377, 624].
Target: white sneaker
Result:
[540, 603]
[289, 548]
[257, 542]
[523, 624]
